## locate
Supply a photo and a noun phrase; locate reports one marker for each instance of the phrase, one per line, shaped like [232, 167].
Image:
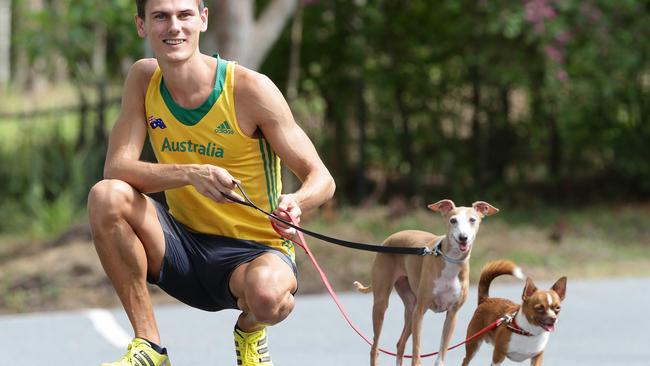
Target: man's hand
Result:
[213, 182]
[287, 204]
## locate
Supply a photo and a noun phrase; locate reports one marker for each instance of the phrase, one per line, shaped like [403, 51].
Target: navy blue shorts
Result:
[196, 268]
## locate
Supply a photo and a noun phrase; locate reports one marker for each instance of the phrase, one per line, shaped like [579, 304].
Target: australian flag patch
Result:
[156, 122]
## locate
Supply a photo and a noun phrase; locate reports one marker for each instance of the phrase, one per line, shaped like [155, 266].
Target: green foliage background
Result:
[520, 102]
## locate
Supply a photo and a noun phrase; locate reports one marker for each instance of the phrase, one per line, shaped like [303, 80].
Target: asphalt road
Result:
[602, 323]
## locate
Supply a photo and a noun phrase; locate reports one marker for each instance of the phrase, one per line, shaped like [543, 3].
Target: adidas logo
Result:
[224, 128]
[143, 359]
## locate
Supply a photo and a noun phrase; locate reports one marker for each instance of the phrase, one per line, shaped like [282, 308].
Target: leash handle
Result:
[349, 244]
[303, 244]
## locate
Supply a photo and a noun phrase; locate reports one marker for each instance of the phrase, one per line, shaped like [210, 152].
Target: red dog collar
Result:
[515, 328]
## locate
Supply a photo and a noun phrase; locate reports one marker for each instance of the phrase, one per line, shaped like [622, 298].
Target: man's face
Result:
[172, 28]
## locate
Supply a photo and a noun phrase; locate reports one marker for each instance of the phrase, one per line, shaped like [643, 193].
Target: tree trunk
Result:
[555, 146]
[478, 154]
[406, 142]
[501, 138]
[269, 28]
[83, 120]
[102, 102]
[289, 181]
[362, 117]
[230, 27]
[236, 35]
[336, 140]
[5, 41]
[99, 50]
[294, 58]
[26, 77]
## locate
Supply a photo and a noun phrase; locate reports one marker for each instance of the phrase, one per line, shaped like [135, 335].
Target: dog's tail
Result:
[493, 270]
[361, 288]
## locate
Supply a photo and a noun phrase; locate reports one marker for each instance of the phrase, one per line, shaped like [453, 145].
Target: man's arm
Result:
[258, 101]
[127, 140]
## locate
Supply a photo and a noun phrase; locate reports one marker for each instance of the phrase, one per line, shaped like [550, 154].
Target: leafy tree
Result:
[5, 41]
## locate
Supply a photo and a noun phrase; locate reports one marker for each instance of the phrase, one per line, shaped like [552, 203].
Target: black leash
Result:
[348, 244]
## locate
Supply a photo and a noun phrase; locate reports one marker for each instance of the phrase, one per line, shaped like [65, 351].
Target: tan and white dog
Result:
[526, 333]
[437, 282]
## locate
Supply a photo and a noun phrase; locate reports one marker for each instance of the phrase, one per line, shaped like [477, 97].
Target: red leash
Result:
[328, 286]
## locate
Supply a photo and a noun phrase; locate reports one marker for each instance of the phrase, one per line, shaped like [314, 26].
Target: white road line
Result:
[105, 323]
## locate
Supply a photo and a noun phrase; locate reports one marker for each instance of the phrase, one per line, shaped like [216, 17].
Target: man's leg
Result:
[263, 288]
[130, 243]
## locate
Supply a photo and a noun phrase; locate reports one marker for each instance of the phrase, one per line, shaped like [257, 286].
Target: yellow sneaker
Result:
[252, 348]
[140, 353]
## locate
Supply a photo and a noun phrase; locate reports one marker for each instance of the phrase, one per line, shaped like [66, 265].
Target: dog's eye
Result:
[472, 220]
[453, 220]
[557, 309]
[540, 309]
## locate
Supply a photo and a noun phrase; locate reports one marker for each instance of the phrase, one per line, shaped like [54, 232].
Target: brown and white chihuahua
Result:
[525, 334]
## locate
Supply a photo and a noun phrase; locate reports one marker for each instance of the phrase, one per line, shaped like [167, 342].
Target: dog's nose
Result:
[462, 237]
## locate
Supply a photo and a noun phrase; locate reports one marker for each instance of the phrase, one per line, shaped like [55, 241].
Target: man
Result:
[212, 124]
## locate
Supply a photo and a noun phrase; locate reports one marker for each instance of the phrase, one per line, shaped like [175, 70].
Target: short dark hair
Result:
[140, 4]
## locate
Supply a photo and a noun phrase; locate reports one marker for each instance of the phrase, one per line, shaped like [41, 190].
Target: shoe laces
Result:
[132, 354]
[252, 349]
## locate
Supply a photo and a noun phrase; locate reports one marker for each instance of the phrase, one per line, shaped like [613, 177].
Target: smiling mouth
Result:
[173, 42]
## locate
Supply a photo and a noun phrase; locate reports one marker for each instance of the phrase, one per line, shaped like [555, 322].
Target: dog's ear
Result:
[560, 287]
[442, 206]
[484, 208]
[529, 289]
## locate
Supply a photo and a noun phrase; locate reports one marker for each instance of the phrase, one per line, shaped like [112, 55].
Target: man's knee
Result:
[270, 307]
[264, 288]
[108, 200]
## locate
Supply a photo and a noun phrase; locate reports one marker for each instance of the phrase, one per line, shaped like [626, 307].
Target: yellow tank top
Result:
[210, 134]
